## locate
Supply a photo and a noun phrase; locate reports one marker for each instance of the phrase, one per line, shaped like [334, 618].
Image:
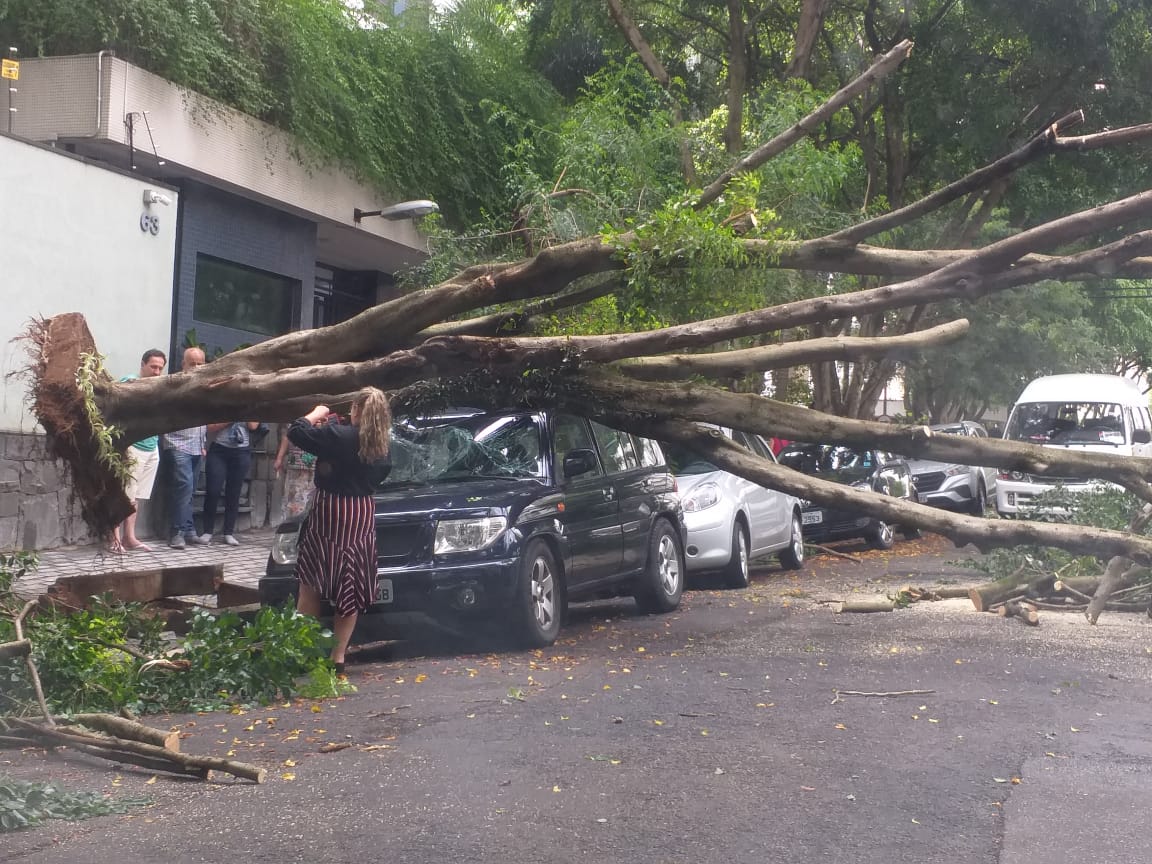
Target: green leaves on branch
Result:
[26, 805]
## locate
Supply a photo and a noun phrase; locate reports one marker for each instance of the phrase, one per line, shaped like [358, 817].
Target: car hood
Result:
[474, 496]
[925, 466]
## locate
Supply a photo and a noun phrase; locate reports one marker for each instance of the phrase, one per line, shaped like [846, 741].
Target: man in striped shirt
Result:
[181, 454]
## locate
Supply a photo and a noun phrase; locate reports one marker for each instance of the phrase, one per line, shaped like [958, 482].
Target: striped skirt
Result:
[338, 552]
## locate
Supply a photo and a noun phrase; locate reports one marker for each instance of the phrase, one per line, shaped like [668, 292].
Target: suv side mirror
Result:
[1141, 436]
[577, 462]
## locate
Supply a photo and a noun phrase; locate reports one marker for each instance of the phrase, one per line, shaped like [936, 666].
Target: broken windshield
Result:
[438, 449]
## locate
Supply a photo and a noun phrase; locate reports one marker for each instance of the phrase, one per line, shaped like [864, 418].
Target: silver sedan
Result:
[730, 520]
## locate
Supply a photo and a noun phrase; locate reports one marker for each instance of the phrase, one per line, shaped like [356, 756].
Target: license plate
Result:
[812, 517]
[384, 591]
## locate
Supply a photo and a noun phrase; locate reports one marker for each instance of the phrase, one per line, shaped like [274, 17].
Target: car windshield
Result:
[831, 462]
[437, 449]
[683, 461]
[1067, 423]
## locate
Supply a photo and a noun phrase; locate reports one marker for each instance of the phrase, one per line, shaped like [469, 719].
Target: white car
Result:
[952, 485]
[730, 520]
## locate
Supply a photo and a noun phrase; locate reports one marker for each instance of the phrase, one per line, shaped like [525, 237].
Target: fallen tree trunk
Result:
[991, 594]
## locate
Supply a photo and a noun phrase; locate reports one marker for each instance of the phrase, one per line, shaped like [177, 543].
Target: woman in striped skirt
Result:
[337, 562]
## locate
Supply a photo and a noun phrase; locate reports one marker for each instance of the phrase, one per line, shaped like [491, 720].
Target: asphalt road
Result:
[711, 735]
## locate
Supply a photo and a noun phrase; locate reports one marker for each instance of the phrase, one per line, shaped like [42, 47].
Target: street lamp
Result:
[403, 210]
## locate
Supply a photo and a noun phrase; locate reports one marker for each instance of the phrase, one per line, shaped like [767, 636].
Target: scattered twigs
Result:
[883, 694]
[33, 673]
[1062, 587]
[833, 552]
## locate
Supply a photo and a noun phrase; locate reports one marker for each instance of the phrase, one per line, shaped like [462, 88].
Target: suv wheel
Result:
[792, 557]
[539, 596]
[880, 536]
[736, 574]
[662, 581]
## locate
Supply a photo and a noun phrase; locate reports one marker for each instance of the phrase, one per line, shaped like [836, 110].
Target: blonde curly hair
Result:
[374, 416]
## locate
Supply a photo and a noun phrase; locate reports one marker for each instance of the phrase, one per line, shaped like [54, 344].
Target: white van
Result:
[1100, 413]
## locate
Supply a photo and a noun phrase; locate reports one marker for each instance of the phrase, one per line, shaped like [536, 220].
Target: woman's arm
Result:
[281, 452]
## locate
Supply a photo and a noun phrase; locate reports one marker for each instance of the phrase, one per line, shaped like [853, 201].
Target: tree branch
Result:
[734, 363]
[878, 70]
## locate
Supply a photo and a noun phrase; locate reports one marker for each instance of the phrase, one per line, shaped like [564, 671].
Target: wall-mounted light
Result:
[151, 196]
[403, 210]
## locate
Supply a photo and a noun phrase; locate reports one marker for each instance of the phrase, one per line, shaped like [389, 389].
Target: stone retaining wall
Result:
[37, 509]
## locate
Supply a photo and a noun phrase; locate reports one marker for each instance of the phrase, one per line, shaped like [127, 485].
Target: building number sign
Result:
[149, 223]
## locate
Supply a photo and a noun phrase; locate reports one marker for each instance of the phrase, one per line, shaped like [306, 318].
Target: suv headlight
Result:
[285, 546]
[468, 535]
[954, 470]
[702, 497]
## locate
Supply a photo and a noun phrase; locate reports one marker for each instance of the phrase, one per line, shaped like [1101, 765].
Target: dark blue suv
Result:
[508, 516]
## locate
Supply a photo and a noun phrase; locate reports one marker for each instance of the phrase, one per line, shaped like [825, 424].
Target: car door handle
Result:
[610, 493]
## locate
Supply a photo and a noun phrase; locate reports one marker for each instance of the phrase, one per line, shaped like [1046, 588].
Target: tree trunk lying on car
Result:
[425, 350]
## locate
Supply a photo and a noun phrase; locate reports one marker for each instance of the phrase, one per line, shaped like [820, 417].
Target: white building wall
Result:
[71, 241]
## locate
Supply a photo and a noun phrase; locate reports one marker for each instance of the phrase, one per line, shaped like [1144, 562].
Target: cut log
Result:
[139, 586]
[985, 597]
[229, 594]
[19, 648]
[1119, 573]
[129, 729]
[121, 750]
[1026, 612]
[871, 604]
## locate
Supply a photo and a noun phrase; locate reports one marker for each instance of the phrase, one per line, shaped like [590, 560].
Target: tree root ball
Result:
[57, 346]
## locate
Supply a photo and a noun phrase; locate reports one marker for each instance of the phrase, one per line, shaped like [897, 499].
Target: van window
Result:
[1067, 423]
[572, 434]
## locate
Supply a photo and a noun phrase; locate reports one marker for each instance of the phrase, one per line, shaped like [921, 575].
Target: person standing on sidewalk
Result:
[337, 561]
[226, 468]
[143, 458]
[180, 456]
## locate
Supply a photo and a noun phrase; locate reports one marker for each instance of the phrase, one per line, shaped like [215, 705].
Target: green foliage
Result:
[90, 371]
[1106, 507]
[237, 661]
[324, 683]
[26, 805]
[96, 659]
[421, 112]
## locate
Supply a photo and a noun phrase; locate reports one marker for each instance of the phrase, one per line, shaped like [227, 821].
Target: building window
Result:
[243, 298]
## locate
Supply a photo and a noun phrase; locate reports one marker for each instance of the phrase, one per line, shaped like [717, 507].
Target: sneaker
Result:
[198, 539]
[177, 542]
[230, 540]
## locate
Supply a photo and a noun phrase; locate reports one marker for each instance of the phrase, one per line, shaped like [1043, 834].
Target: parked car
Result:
[510, 516]
[1094, 413]
[951, 485]
[859, 468]
[730, 520]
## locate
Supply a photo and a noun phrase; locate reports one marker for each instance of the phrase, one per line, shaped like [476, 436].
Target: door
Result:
[591, 510]
[629, 481]
[768, 510]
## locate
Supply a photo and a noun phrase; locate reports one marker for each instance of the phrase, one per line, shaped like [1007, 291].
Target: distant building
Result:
[164, 217]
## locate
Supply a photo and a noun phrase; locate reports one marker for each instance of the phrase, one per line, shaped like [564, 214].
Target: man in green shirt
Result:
[144, 458]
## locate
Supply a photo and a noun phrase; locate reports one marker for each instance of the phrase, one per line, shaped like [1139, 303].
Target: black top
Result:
[339, 470]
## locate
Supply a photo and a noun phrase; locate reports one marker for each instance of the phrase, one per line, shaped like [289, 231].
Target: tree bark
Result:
[737, 78]
[807, 32]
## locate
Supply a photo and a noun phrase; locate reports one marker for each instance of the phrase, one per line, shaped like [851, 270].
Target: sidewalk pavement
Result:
[243, 564]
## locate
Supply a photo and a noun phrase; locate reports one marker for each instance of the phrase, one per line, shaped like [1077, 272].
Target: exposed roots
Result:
[60, 382]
